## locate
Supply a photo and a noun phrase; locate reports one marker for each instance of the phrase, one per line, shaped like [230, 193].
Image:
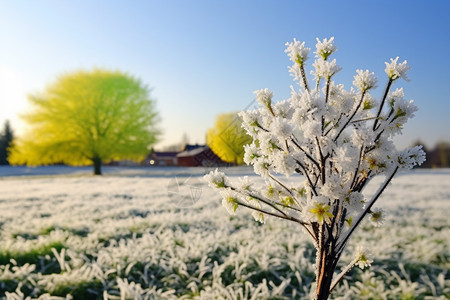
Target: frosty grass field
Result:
[130, 234]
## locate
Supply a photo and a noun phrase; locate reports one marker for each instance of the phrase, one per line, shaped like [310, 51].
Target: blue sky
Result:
[202, 58]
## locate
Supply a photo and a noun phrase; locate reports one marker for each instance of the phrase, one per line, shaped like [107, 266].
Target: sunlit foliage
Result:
[227, 138]
[88, 117]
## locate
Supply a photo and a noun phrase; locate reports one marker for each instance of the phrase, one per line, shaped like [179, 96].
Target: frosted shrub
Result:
[338, 139]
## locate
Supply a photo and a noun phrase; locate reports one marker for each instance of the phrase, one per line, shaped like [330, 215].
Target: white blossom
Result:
[217, 179]
[284, 163]
[297, 51]
[325, 48]
[355, 201]
[257, 215]
[244, 183]
[395, 70]
[283, 109]
[368, 104]
[404, 109]
[271, 191]
[268, 143]
[281, 128]
[377, 217]
[261, 166]
[325, 68]
[409, 158]
[363, 257]
[318, 210]
[320, 200]
[264, 97]
[344, 158]
[364, 80]
[396, 95]
[334, 188]
[313, 128]
[251, 122]
[229, 200]
[251, 153]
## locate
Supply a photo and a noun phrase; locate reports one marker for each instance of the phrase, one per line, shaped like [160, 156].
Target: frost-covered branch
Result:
[380, 108]
[362, 214]
[362, 259]
[352, 115]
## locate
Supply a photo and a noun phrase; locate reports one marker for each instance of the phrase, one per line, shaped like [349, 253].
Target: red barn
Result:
[199, 156]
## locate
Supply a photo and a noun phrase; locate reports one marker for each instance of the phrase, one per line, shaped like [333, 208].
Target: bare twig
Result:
[342, 274]
[305, 80]
[386, 91]
[357, 167]
[322, 161]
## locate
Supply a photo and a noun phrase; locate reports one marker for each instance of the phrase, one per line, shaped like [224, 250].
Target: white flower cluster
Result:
[395, 70]
[363, 257]
[298, 54]
[337, 139]
[322, 67]
[297, 51]
[325, 69]
[264, 97]
[325, 48]
[364, 80]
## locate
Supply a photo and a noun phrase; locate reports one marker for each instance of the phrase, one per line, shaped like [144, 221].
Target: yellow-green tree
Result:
[227, 138]
[88, 117]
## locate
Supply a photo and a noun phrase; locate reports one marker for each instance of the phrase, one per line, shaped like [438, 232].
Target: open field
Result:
[161, 234]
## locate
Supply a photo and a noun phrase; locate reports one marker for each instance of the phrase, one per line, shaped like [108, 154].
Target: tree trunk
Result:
[97, 161]
[324, 276]
[327, 259]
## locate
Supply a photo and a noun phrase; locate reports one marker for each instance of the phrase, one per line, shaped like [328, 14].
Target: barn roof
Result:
[192, 152]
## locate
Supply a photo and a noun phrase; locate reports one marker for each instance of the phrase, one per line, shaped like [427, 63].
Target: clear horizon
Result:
[203, 58]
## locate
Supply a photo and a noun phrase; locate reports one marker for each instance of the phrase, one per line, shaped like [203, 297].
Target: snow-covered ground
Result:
[160, 233]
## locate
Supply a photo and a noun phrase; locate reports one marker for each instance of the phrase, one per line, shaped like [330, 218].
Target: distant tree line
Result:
[438, 157]
[6, 138]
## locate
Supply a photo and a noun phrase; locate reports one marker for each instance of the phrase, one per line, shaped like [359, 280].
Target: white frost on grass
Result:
[123, 236]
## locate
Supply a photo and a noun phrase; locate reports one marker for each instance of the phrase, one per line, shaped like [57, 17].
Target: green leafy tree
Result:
[88, 117]
[227, 138]
[6, 139]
